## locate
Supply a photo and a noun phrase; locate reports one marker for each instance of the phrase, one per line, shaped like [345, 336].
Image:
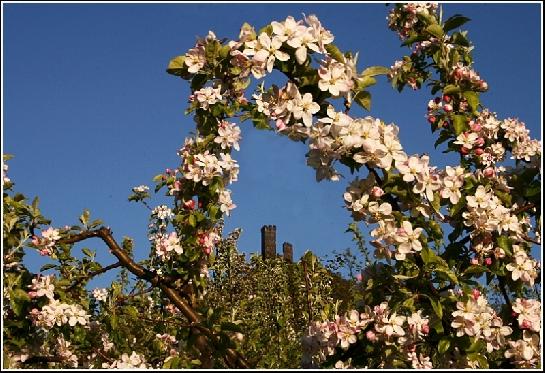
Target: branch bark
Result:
[232, 358]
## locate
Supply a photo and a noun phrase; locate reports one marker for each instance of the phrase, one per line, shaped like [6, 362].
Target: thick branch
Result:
[233, 358]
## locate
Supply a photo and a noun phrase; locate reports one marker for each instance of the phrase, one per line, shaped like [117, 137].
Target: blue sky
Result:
[89, 111]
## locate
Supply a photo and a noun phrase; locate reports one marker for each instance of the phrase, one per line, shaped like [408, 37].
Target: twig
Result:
[523, 208]
[93, 274]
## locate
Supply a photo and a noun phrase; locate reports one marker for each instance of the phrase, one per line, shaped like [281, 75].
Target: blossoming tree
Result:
[442, 238]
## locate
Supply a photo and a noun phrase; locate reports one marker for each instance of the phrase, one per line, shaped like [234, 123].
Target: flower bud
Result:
[464, 150]
[425, 329]
[489, 172]
[474, 261]
[475, 293]
[377, 192]
[479, 151]
[475, 127]
[446, 98]
[488, 261]
[431, 119]
[371, 336]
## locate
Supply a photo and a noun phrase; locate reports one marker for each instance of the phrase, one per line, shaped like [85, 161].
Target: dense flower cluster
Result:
[46, 242]
[228, 135]
[266, 49]
[380, 325]
[42, 286]
[101, 295]
[57, 313]
[405, 19]
[134, 361]
[477, 319]
[166, 245]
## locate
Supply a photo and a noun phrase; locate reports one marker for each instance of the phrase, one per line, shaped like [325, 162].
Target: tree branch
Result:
[232, 358]
[93, 274]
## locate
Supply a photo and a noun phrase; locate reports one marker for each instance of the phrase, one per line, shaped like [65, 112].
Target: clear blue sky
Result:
[89, 111]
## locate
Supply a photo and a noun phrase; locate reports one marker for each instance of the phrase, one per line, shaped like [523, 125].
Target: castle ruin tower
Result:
[287, 249]
[268, 241]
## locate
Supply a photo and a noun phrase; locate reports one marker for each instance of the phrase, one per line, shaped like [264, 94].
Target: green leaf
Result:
[192, 220]
[450, 89]
[84, 218]
[480, 358]
[506, 244]
[428, 256]
[444, 345]
[18, 299]
[437, 308]
[198, 81]
[437, 325]
[335, 52]
[45, 267]
[456, 20]
[363, 98]
[472, 99]
[435, 30]
[403, 277]
[261, 122]
[375, 70]
[365, 82]
[176, 66]
[267, 29]
[475, 269]
[88, 252]
[477, 346]
[460, 124]
[444, 136]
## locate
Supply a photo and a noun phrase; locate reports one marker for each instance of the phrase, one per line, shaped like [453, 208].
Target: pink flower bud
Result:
[474, 261]
[32, 294]
[464, 150]
[475, 293]
[207, 250]
[480, 141]
[371, 336]
[489, 172]
[479, 151]
[514, 314]
[446, 98]
[488, 261]
[425, 329]
[526, 324]
[431, 119]
[458, 73]
[189, 205]
[377, 192]
[280, 125]
[475, 127]
[447, 108]
[359, 277]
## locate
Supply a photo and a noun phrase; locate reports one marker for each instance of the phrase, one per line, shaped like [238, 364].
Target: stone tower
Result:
[287, 249]
[268, 241]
